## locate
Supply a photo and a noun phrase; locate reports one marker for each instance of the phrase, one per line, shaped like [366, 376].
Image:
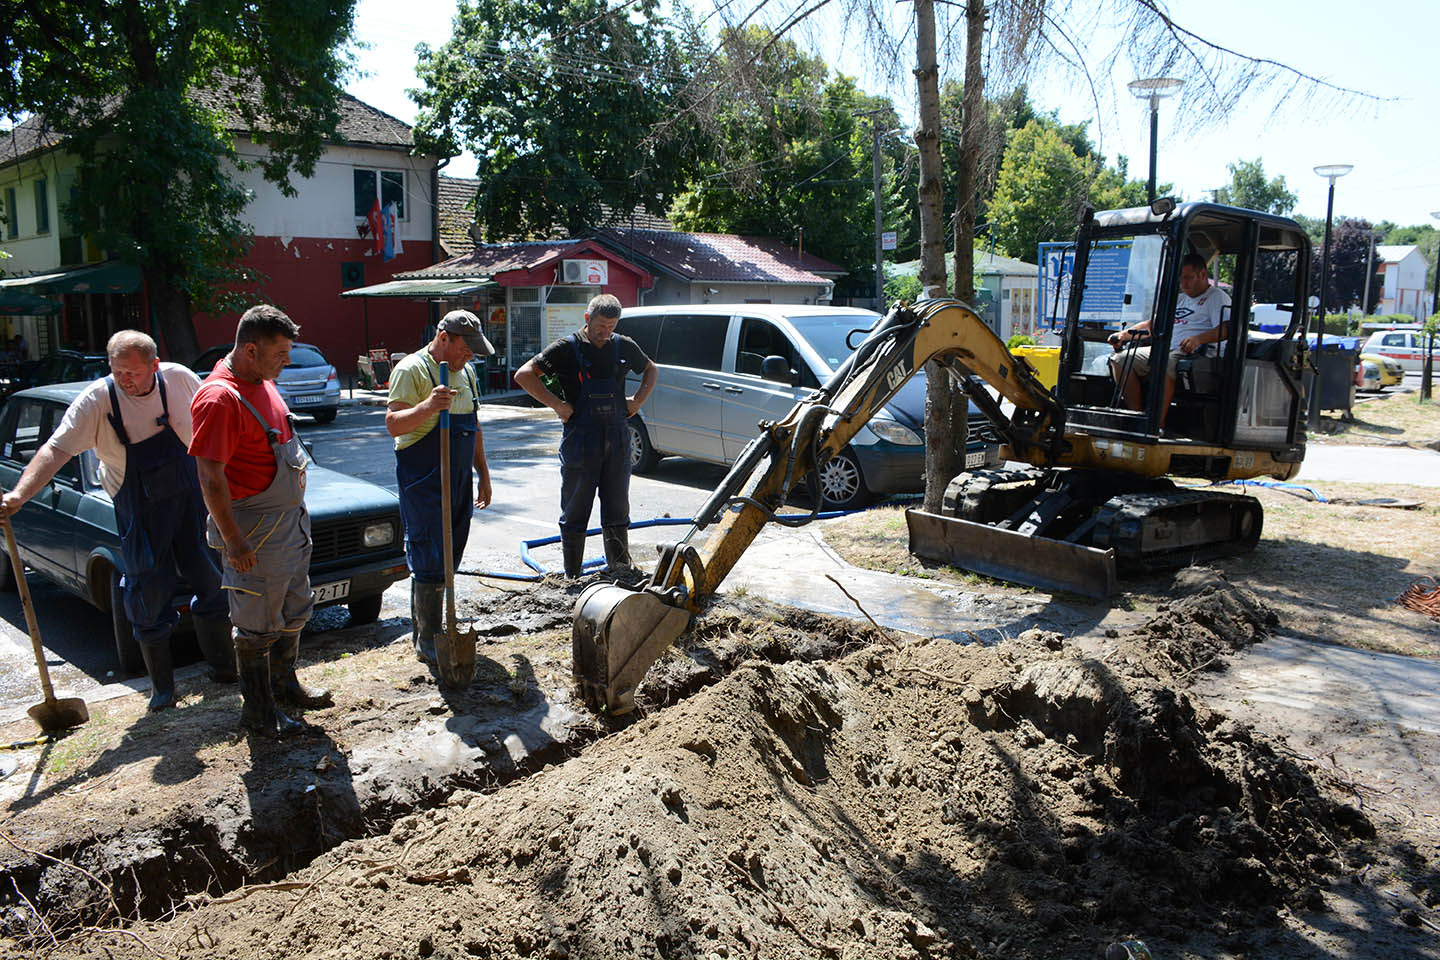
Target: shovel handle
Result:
[447, 544]
[30, 621]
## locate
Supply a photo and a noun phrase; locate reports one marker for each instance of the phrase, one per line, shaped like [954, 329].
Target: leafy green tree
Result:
[1249, 188]
[560, 100]
[797, 163]
[140, 94]
[1041, 187]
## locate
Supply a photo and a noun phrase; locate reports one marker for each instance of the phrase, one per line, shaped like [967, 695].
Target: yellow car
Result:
[1388, 372]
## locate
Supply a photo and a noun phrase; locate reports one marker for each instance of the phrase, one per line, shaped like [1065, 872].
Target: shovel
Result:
[51, 714]
[454, 650]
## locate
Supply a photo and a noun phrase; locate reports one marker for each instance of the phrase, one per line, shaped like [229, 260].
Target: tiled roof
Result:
[721, 257]
[489, 259]
[360, 125]
[28, 137]
[455, 196]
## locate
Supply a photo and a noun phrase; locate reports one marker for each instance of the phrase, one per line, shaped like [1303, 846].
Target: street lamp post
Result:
[1332, 172]
[1154, 89]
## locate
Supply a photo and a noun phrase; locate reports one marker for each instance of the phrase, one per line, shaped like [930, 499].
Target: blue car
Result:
[67, 532]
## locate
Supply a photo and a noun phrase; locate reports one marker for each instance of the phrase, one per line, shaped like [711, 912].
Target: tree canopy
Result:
[795, 162]
[1249, 188]
[559, 100]
[145, 97]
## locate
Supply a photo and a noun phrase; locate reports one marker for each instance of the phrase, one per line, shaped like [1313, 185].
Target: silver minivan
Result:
[712, 395]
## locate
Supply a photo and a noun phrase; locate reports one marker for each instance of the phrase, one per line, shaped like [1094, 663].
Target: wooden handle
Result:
[446, 539]
[19, 570]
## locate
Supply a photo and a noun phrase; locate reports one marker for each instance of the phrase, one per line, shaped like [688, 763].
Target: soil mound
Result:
[908, 800]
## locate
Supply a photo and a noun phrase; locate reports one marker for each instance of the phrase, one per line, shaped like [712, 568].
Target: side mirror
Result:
[1162, 206]
[778, 369]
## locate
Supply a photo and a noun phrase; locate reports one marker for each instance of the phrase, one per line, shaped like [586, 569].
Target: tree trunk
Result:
[972, 125]
[939, 394]
[170, 308]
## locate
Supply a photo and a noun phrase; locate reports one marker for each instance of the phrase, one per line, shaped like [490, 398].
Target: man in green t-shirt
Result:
[424, 384]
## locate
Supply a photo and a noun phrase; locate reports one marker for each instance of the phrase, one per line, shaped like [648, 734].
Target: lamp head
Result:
[1155, 88]
[1334, 171]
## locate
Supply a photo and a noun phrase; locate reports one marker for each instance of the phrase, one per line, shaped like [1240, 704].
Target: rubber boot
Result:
[572, 545]
[258, 712]
[617, 552]
[218, 647]
[427, 611]
[161, 668]
[284, 653]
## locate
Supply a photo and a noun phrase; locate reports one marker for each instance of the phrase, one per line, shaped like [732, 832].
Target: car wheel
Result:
[364, 610]
[325, 416]
[842, 484]
[128, 661]
[7, 570]
[643, 457]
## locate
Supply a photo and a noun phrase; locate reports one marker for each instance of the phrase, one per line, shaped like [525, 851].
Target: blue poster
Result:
[1105, 283]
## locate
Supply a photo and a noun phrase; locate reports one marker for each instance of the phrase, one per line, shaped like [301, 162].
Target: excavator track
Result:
[1162, 531]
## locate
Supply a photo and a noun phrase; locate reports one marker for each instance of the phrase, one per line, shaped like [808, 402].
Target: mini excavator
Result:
[1085, 491]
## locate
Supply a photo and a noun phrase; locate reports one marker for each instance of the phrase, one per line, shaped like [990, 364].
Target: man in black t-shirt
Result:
[590, 366]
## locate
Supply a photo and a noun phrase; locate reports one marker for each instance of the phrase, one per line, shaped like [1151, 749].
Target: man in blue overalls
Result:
[590, 366]
[424, 385]
[137, 420]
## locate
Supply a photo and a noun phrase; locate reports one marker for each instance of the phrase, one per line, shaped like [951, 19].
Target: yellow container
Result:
[1045, 360]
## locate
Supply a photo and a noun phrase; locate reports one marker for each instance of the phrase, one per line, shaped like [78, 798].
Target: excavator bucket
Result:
[618, 633]
[1007, 555]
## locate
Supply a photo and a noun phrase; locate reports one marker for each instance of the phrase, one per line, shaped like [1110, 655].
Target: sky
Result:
[1393, 140]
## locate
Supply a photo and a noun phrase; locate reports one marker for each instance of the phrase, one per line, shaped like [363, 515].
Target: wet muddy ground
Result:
[795, 785]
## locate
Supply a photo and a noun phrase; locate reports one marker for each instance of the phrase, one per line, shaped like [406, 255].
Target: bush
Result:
[903, 287]
[1019, 340]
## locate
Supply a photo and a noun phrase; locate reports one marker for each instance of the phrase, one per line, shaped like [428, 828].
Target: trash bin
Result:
[1045, 360]
[1336, 359]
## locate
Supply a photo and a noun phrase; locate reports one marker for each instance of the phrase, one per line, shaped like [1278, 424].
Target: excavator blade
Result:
[618, 633]
[1007, 555]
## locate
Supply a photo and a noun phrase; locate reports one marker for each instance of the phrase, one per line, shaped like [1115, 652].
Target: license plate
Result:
[973, 460]
[309, 399]
[327, 592]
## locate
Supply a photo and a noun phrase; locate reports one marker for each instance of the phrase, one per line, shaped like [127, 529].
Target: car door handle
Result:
[733, 390]
[709, 385]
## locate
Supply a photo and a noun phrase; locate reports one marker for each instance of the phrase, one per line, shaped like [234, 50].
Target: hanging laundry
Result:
[377, 229]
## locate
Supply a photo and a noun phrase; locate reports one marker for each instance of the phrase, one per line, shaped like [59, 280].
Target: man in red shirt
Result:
[252, 475]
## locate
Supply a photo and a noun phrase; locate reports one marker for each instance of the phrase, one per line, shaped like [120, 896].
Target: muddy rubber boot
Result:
[427, 612]
[258, 713]
[284, 653]
[617, 554]
[161, 668]
[218, 646]
[572, 545]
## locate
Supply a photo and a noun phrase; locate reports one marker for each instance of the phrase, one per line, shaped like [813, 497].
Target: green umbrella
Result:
[16, 303]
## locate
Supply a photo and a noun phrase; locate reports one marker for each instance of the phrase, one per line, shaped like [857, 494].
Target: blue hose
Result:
[541, 571]
[1280, 485]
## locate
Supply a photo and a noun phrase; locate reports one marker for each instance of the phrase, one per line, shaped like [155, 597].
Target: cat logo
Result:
[896, 376]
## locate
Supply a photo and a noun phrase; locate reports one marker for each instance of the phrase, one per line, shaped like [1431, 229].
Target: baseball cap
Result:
[465, 325]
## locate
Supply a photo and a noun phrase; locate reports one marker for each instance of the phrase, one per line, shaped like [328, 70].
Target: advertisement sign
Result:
[888, 240]
[1105, 283]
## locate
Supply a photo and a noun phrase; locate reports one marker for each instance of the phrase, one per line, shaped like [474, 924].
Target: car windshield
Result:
[304, 355]
[828, 335]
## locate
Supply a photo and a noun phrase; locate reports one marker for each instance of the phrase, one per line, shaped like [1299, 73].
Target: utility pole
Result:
[1369, 269]
[879, 216]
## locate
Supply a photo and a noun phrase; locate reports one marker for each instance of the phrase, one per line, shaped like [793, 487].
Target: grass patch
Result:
[1391, 418]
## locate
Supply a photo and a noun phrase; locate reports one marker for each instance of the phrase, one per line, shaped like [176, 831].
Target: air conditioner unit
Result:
[595, 273]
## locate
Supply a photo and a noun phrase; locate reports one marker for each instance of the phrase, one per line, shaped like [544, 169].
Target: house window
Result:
[12, 216]
[42, 206]
[579, 295]
[387, 185]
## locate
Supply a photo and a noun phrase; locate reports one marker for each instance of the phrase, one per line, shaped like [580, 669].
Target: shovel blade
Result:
[54, 715]
[455, 657]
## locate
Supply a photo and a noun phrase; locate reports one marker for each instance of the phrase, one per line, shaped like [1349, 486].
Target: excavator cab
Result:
[1244, 390]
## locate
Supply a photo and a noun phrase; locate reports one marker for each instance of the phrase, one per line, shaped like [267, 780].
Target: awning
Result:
[18, 303]
[111, 277]
[424, 289]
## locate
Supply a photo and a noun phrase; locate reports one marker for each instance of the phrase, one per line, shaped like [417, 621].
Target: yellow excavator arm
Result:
[618, 632]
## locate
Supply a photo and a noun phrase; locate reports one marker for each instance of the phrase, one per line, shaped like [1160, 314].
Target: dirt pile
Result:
[908, 800]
